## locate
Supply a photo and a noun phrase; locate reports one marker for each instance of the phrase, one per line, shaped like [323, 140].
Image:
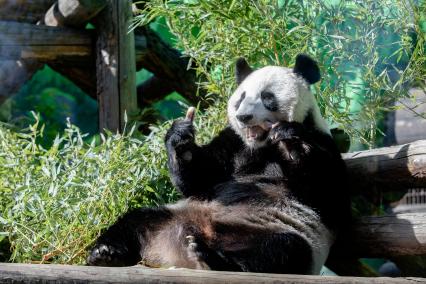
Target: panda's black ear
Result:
[242, 70]
[307, 68]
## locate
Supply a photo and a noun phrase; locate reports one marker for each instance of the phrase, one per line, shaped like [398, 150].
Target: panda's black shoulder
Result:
[227, 140]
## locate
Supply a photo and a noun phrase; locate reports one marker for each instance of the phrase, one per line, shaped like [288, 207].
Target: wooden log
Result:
[168, 63]
[72, 13]
[116, 67]
[85, 79]
[42, 273]
[393, 237]
[389, 236]
[44, 44]
[389, 168]
[152, 90]
[29, 11]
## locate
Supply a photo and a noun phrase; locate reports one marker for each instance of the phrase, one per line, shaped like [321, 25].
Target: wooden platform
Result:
[37, 273]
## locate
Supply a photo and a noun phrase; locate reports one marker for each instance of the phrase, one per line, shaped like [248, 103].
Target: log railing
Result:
[389, 168]
[64, 274]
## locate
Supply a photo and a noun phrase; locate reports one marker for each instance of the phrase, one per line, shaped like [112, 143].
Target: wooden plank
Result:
[389, 168]
[39, 273]
[115, 61]
[29, 11]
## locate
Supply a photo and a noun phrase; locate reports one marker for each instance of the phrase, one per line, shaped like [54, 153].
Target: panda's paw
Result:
[105, 255]
[288, 136]
[181, 133]
[285, 131]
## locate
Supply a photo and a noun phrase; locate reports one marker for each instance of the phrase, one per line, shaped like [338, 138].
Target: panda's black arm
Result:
[312, 162]
[194, 169]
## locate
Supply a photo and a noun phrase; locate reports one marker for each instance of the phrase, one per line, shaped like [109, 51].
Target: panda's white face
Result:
[267, 96]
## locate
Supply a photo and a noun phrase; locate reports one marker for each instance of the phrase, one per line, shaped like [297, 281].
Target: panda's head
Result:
[272, 94]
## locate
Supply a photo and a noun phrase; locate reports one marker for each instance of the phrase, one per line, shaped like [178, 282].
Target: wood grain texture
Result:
[127, 63]
[31, 273]
[389, 168]
[389, 236]
[115, 63]
[44, 44]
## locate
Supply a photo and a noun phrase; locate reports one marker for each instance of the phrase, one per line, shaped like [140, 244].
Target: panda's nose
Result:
[244, 118]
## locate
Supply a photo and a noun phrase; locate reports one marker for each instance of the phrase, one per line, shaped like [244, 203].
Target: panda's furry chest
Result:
[260, 162]
[256, 178]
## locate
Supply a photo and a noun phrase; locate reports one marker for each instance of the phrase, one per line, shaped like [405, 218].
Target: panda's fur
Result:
[266, 195]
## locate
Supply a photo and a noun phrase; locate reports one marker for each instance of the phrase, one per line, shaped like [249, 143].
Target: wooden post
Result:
[116, 68]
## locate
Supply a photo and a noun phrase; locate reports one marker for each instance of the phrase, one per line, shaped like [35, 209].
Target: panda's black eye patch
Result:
[240, 100]
[269, 101]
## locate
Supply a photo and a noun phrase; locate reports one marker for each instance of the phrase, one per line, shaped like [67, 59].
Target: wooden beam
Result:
[85, 79]
[44, 44]
[169, 65]
[389, 168]
[152, 90]
[29, 11]
[116, 69]
[64, 274]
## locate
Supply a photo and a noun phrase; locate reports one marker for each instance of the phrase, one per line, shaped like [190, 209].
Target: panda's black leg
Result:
[277, 253]
[113, 254]
[269, 252]
[122, 244]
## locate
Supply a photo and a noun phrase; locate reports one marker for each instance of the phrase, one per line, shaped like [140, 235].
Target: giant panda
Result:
[267, 194]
